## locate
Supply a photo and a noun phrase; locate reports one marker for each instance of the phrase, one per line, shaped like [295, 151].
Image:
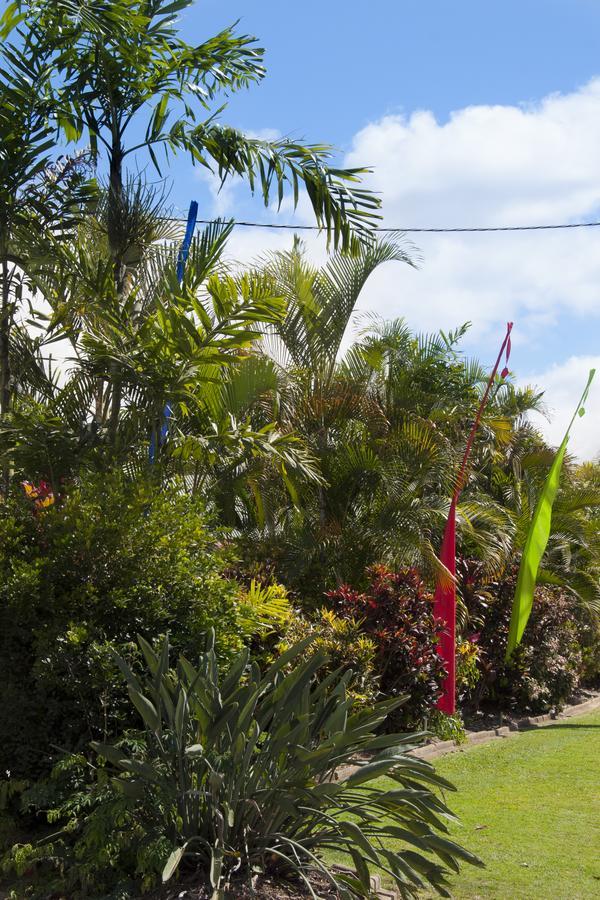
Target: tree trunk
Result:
[322, 443]
[5, 323]
[99, 401]
[5, 374]
[115, 206]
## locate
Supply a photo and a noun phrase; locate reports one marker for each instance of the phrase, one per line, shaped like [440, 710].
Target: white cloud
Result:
[486, 165]
[491, 165]
[498, 165]
[564, 385]
[223, 195]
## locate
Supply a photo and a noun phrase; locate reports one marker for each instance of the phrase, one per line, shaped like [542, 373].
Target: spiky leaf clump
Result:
[240, 768]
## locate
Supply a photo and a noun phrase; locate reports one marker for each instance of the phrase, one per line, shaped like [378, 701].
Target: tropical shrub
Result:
[468, 672]
[545, 670]
[452, 727]
[95, 847]
[347, 649]
[589, 641]
[396, 611]
[447, 727]
[82, 578]
[234, 773]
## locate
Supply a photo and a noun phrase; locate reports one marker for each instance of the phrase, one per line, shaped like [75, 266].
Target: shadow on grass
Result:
[586, 727]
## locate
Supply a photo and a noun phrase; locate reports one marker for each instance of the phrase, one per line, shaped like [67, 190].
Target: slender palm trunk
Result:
[322, 440]
[99, 401]
[5, 373]
[115, 206]
[5, 323]
[322, 506]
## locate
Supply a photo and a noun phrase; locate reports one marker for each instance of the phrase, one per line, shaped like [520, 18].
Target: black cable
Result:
[398, 230]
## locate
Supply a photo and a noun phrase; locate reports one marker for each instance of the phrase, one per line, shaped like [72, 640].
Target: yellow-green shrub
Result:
[345, 646]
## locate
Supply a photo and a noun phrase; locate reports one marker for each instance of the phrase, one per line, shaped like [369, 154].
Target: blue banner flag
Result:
[181, 261]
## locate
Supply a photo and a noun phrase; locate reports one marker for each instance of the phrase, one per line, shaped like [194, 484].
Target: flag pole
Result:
[444, 602]
[181, 261]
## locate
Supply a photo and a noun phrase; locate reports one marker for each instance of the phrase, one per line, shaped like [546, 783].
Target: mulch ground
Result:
[263, 887]
[486, 719]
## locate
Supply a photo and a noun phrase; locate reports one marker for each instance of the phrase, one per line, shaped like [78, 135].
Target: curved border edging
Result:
[436, 749]
[442, 748]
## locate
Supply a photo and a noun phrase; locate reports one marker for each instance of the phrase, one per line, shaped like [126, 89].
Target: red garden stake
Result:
[445, 593]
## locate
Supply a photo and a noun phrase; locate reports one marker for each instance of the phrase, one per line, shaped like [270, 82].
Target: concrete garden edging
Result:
[435, 749]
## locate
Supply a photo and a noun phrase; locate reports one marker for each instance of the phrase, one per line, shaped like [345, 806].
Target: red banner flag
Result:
[445, 592]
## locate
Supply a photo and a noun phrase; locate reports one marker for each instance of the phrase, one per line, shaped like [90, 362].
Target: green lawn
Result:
[530, 808]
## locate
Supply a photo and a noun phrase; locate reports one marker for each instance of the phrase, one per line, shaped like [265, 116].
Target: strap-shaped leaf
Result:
[146, 709]
[172, 864]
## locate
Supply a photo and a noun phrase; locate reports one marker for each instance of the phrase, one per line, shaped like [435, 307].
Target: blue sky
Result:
[334, 66]
[472, 113]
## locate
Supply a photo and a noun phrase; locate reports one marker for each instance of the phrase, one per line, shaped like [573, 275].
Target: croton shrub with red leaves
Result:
[547, 667]
[396, 611]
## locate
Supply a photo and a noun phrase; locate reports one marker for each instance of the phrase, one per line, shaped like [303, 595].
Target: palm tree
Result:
[386, 423]
[126, 69]
[380, 464]
[182, 345]
[41, 197]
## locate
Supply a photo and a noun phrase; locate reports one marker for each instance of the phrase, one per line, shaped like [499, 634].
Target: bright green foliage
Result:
[120, 75]
[533, 552]
[468, 656]
[386, 423]
[237, 769]
[124, 70]
[110, 560]
[263, 608]
[447, 728]
[537, 538]
[40, 195]
[186, 346]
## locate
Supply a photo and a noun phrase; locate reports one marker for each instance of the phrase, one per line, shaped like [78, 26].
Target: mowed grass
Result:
[530, 808]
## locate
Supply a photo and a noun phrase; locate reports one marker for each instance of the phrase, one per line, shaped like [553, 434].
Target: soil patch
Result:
[486, 719]
[263, 887]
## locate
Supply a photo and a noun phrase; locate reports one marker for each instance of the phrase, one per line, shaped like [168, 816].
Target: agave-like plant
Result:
[240, 769]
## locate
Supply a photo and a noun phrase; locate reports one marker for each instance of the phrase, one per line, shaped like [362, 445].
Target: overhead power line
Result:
[399, 229]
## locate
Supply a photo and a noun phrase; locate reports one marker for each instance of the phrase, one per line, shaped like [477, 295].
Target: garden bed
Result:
[488, 719]
[263, 887]
[497, 726]
[267, 888]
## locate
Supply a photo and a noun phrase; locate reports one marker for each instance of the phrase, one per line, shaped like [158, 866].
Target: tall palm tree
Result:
[128, 70]
[386, 422]
[41, 196]
[182, 345]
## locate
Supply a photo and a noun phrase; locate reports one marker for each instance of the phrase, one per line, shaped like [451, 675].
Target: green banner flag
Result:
[537, 539]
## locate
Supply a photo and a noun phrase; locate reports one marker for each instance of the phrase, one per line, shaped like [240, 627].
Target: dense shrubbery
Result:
[589, 641]
[346, 647]
[547, 667]
[396, 611]
[112, 560]
[233, 775]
